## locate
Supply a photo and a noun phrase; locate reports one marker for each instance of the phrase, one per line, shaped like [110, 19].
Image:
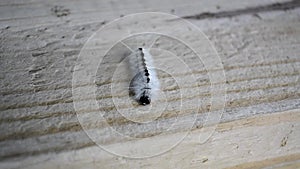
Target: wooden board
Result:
[257, 43]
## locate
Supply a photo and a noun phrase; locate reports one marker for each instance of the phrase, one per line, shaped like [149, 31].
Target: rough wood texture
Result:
[258, 43]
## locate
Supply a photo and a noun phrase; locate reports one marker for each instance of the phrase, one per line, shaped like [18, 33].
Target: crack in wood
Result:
[250, 10]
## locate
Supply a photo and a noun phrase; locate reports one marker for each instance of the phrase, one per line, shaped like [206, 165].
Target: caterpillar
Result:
[144, 83]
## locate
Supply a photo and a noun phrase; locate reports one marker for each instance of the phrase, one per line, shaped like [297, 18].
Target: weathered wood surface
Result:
[258, 43]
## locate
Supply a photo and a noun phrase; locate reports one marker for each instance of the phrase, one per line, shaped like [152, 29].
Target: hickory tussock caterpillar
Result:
[144, 83]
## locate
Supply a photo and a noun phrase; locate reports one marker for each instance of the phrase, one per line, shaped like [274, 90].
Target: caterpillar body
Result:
[144, 83]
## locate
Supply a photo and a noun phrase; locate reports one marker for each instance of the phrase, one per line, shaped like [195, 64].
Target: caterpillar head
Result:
[144, 100]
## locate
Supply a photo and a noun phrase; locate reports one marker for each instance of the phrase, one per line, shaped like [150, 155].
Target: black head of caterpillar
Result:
[144, 99]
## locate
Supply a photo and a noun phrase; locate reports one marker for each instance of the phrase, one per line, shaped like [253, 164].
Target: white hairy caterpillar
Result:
[144, 83]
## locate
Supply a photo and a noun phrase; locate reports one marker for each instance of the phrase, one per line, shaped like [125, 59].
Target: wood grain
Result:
[259, 49]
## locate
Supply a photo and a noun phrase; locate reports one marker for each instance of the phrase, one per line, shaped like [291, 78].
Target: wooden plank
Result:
[259, 52]
[254, 142]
